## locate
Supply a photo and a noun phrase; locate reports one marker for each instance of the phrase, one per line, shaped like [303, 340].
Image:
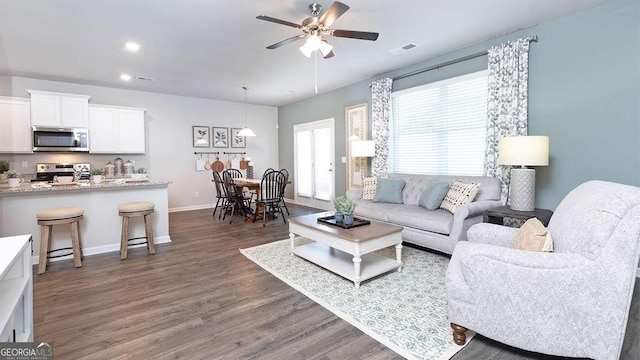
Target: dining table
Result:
[253, 185]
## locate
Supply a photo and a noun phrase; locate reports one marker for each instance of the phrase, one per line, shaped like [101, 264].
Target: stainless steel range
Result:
[46, 172]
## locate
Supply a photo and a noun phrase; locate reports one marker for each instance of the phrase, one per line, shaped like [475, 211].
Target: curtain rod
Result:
[451, 62]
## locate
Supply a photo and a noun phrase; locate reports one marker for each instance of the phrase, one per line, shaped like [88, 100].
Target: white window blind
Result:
[440, 128]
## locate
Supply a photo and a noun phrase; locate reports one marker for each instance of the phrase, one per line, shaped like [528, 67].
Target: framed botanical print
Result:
[355, 119]
[237, 141]
[220, 137]
[201, 136]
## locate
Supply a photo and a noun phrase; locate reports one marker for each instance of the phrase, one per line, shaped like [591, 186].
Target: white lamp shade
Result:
[246, 132]
[524, 151]
[363, 148]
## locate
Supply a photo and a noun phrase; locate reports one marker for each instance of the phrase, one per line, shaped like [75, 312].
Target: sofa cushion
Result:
[389, 191]
[438, 221]
[376, 211]
[490, 187]
[459, 194]
[533, 236]
[369, 188]
[433, 195]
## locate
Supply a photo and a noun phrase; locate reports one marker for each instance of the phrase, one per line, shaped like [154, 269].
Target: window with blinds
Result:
[440, 128]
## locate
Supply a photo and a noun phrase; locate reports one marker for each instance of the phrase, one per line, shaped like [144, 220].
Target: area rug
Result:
[405, 311]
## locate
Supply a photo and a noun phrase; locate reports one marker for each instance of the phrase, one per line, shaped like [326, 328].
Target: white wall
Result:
[169, 118]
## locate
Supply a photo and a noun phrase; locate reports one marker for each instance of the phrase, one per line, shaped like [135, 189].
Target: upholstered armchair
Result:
[572, 302]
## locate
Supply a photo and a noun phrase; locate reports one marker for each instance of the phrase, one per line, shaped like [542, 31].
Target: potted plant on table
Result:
[344, 209]
[4, 167]
[13, 177]
[96, 175]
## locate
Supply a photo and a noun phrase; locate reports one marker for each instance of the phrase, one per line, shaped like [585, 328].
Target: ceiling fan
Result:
[315, 29]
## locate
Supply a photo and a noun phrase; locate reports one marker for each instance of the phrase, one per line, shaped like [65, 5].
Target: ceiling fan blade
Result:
[286, 41]
[334, 12]
[329, 55]
[278, 21]
[361, 35]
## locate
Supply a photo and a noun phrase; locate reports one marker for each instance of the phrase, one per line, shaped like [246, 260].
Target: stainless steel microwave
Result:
[60, 139]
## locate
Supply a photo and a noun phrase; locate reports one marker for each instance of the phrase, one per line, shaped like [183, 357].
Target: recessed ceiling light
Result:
[125, 77]
[131, 46]
[290, 91]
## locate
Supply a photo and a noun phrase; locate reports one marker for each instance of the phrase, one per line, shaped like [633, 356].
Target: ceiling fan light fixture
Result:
[325, 48]
[306, 50]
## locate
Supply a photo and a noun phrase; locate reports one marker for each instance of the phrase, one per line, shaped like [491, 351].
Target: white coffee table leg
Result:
[399, 256]
[292, 240]
[356, 266]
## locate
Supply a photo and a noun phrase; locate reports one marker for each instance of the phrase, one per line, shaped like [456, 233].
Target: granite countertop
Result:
[27, 188]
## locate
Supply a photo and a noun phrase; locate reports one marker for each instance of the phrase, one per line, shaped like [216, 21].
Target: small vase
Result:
[348, 219]
[97, 179]
[338, 216]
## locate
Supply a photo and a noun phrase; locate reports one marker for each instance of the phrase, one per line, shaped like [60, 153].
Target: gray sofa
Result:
[439, 229]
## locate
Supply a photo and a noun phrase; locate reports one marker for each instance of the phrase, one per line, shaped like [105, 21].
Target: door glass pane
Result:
[322, 140]
[304, 163]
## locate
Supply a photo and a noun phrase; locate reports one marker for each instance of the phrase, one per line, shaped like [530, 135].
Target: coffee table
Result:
[347, 252]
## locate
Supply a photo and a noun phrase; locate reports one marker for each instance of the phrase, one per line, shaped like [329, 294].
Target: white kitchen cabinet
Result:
[116, 130]
[59, 109]
[15, 129]
[16, 289]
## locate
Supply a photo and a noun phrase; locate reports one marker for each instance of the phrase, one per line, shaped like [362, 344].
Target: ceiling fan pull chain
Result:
[315, 59]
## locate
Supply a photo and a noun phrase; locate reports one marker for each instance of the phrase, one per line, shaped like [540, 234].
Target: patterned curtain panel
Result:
[380, 115]
[507, 102]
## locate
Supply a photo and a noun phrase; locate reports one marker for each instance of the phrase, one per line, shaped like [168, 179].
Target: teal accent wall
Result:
[584, 93]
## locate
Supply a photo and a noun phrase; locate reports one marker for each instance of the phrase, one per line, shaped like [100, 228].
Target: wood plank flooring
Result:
[199, 298]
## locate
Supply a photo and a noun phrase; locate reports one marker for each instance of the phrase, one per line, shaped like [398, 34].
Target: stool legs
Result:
[148, 229]
[125, 238]
[75, 243]
[45, 237]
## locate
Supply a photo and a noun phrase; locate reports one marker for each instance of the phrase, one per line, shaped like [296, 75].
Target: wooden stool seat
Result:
[134, 209]
[46, 220]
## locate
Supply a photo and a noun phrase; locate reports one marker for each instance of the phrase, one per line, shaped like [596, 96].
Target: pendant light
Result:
[246, 131]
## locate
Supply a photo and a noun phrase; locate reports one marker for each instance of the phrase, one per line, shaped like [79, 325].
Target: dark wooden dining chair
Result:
[270, 196]
[235, 198]
[285, 172]
[221, 194]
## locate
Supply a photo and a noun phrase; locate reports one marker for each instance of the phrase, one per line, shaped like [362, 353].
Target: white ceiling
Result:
[211, 48]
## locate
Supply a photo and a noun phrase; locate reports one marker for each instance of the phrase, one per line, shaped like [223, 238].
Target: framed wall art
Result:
[356, 122]
[201, 136]
[237, 141]
[220, 137]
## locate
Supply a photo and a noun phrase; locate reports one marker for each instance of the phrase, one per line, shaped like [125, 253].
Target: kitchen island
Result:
[101, 227]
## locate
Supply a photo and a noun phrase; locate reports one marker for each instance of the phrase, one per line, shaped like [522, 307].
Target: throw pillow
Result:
[533, 236]
[369, 188]
[459, 194]
[389, 191]
[433, 195]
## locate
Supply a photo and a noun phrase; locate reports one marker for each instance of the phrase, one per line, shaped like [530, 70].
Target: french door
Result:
[314, 150]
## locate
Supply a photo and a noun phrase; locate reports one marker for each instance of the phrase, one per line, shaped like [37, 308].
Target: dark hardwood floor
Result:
[199, 298]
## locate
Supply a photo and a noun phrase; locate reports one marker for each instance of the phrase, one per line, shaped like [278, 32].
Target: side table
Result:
[497, 215]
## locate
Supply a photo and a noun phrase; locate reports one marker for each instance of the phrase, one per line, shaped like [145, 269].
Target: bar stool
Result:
[46, 220]
[133, 209]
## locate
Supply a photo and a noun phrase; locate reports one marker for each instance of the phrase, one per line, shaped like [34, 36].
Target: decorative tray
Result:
[64, 184]
[331, 220]
[136, 180]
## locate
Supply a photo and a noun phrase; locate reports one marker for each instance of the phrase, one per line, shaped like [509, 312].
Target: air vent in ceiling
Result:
[145, 78]
[403, 48]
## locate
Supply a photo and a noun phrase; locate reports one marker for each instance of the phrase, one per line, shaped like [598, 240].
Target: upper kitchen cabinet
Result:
[15, 131]
[116, 130]
[59, 109]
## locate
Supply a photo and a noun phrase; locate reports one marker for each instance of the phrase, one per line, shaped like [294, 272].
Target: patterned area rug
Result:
[405, 311]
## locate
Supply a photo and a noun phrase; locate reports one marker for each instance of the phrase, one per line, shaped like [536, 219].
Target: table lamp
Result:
[523, 151]
[363, 149]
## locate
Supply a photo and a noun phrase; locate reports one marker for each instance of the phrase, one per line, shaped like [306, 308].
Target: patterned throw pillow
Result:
[459, 194]
[369, 188]
[533, 236]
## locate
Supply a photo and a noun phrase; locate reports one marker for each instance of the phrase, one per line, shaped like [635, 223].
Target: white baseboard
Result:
[103, 249]
[189, 208]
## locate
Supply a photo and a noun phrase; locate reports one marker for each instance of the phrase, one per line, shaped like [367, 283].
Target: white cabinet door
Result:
[132, 137]
[45, 110]
[103, 130]
[59, 109]
[75, 112]
[15, 131]
[116, 130]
